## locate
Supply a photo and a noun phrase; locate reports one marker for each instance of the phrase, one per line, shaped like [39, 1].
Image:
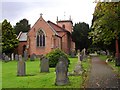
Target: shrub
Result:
[54, 56]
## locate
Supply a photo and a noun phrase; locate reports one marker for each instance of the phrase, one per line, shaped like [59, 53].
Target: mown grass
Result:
[112, 64]
[0, 75]
[35, 79]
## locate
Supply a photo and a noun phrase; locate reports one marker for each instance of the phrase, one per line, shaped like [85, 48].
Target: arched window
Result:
[40, 39]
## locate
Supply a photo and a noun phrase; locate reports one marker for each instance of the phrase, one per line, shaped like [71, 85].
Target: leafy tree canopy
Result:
[80, 35]
[9, 40]
[106, 22]
[22, 25]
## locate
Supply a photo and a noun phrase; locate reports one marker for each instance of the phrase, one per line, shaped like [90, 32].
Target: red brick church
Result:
[44, 36]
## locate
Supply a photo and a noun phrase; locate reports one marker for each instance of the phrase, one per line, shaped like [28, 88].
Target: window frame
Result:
[40, 38]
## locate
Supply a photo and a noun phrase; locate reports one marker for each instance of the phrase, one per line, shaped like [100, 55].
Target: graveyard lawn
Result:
[111, 64]
[35, 79]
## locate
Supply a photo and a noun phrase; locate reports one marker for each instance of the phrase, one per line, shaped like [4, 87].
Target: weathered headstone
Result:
[21, 67]
[72, 53]
[16, 57]
[78, 69]
[108, 53]
[44, 64]
[79, 56]
[3, 56]
[83, 53]
[32, 57]
[103, 52]
[12, 56]
[6, 58]
[65, 60]
[0, 56]
[25, 55]
[61, 74]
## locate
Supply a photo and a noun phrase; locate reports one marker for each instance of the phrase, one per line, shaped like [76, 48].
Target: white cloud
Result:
[79, 10]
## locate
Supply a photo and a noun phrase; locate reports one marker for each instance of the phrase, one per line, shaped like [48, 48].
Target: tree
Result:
[106, 21]
[0, 38]
[9, 40]
[22, 25]
[80, 35]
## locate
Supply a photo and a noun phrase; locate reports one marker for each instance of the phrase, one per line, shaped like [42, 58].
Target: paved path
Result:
[102, 75]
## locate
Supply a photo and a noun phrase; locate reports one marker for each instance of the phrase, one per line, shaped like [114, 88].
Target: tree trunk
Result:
[117, 55]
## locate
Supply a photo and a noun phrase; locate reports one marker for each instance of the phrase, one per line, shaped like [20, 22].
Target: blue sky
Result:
[79, 10]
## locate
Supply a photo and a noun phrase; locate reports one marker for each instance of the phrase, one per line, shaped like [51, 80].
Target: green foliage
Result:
[80, 35]
[54, 57]
[22, 25]
[106, 21]
[9, 40]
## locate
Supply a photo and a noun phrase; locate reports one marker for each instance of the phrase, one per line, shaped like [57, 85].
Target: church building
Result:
[45, 36]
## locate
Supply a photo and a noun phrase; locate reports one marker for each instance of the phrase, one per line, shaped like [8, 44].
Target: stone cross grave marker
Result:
[21, 67]
[79, 56]
[25, 55]
[44, 64]
[16, 57]
[61, 73]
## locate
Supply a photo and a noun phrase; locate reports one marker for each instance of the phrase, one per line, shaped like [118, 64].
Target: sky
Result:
[16, 10]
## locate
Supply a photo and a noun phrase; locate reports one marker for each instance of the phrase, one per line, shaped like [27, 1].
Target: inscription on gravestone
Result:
[21, 67]
[44, 64]
[61, 73]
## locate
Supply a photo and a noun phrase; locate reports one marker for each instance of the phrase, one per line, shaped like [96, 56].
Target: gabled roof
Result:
[22, 36]
[40, 19]
[56, 27]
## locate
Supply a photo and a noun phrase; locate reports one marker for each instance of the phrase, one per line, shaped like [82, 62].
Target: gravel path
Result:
[102, 76]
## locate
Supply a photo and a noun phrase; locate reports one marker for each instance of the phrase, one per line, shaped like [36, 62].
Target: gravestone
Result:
[78, 70]
[12, 56]
[79, 56]
[16, 57]
[44, 64]
[108, 53]
[61, 73]
[25, 55]
[21, 67]
[32, 57]
[3, 56]
[83, 53]
[64, 60]
[6, 58]
[72, 53]
[0, 56]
